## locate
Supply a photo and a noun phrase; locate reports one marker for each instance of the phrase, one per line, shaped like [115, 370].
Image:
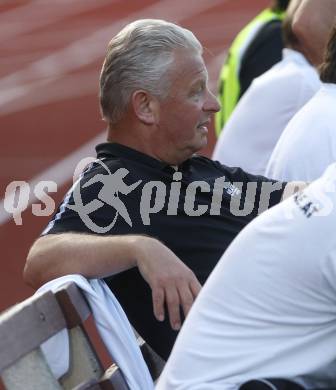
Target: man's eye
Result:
[199, 89]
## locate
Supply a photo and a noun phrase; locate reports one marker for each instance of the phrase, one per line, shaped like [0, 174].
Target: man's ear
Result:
[145, 106]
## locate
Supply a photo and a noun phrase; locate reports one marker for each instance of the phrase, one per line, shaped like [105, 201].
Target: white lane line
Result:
[70, 86]
[60, 173]
[89, 49]
[40, 13]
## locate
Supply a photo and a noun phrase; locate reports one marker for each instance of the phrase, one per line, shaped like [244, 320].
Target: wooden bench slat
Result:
[73, 304]
[24, 327]
[28, 324]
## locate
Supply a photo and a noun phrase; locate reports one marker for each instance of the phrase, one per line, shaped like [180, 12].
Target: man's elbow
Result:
[31, 274]
[37, 267]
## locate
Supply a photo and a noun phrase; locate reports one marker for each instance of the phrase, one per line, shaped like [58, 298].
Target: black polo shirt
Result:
[128, 192]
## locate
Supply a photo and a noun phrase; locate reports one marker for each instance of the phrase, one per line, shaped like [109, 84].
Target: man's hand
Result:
[171, 281]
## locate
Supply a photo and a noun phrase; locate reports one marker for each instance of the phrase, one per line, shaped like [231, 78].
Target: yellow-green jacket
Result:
[229, 84]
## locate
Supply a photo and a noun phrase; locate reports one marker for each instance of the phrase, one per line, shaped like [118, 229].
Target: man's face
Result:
[185, 113]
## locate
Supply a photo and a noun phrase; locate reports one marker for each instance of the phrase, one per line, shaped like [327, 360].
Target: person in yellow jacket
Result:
[255, 50]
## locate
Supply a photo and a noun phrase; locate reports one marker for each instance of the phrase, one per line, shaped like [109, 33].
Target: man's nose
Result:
[211, 103]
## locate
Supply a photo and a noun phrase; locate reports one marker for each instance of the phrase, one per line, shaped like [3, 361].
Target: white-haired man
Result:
[177, 221]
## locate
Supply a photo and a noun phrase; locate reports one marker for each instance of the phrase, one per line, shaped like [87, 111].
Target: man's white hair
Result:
[138, 57]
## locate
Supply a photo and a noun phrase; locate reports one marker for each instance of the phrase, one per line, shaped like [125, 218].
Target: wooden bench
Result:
[25, 326]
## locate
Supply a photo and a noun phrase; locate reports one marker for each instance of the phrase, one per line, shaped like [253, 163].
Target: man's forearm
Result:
[89, 255]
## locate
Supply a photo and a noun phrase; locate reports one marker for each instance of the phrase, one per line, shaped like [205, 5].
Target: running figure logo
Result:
[113, 184]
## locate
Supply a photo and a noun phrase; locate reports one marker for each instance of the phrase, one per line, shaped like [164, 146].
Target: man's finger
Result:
[173, 305]
[186, 298]
[158, 303]
[195, 287]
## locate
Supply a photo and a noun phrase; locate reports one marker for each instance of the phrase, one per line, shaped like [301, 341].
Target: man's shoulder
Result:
[199, 161]
[104, 166]
[215, 167]
[297, 69]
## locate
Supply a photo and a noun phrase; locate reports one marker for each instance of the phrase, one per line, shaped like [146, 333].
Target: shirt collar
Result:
[294, 55]
[108, 149]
